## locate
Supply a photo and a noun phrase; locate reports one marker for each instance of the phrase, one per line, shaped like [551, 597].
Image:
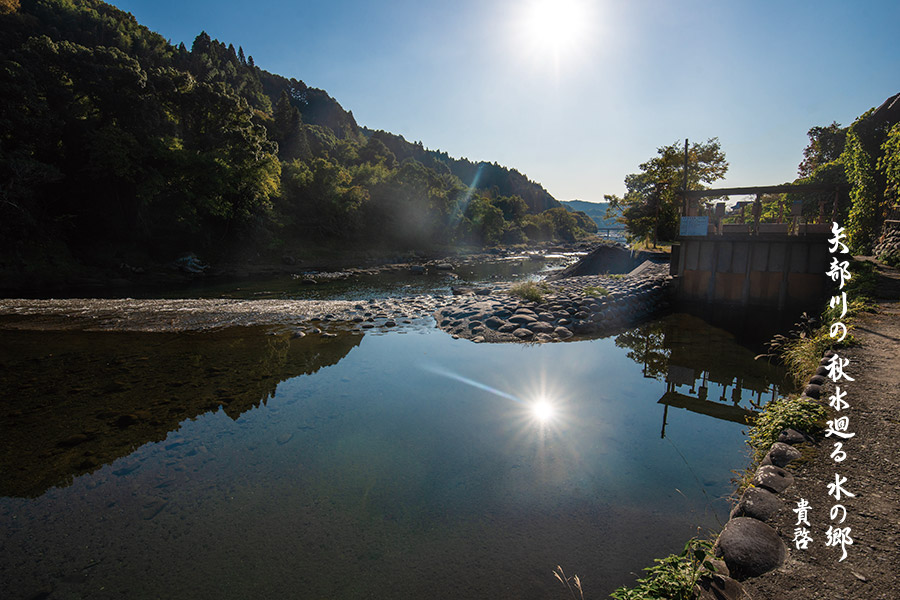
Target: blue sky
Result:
[578, 95]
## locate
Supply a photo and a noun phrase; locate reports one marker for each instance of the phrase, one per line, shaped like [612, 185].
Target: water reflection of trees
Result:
[693, 358]
[647, 346]
[74, 401]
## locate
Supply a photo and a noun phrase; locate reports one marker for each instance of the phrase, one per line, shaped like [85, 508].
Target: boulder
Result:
[750, 548]
[780, 454]
[775, 479]
[757, 503]
[792, 437]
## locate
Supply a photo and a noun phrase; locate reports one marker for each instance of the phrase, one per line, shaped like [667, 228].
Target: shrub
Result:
[530, 291]
[673, 577]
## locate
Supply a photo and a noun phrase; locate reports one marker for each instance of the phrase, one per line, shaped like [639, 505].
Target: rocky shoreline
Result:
[571, 307]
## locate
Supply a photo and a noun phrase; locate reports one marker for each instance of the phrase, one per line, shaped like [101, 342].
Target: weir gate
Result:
[772, 265]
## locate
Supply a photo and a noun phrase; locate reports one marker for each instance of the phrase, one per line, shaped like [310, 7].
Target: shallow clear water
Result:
[247, 464]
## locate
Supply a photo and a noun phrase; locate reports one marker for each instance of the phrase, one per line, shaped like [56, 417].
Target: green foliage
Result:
[530, 291]
[780, 414]
[650, 206]
[672, 577]
[825, 146]
[889, 165]
[864, 211]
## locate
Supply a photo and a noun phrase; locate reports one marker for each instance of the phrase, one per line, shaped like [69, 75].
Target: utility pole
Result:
[684, 207]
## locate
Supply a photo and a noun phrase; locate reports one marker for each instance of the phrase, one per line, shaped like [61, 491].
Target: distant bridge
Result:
[608, 229]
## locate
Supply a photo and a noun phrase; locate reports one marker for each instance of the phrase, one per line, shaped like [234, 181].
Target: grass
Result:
[780, 414]
[672, 577]
[530, 291]
[573, 584]
[595, 291]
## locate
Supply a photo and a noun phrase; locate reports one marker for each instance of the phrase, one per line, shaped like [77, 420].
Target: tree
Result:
[825, 145]
[650, 206]
[287, 130]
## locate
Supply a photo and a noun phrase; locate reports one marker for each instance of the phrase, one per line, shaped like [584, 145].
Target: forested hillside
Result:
[115, 144]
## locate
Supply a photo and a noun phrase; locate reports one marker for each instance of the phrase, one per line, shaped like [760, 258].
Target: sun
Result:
[555, 27]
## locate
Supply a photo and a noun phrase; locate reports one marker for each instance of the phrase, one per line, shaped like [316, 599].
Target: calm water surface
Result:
[247, 464]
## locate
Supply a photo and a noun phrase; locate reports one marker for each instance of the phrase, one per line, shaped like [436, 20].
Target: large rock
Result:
[780, 454]
[750, 548]
[792, 436]
[757, 503]
[775, 479]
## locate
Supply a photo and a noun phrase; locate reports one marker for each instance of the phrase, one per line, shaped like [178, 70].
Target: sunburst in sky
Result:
[573, 93]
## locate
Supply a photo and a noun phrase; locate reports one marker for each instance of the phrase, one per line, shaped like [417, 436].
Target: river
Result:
[247, 462]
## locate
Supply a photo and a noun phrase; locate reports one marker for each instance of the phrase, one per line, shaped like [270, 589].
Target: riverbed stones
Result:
[775, 479]
[494, 322]
[523, 334]
[540, 327]
[750, 548]
[564, 314]
[563, 333]
[757, 503]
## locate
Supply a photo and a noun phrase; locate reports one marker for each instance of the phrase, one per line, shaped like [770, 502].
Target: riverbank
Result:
[62, 276]
[869, 571]
[489, 312]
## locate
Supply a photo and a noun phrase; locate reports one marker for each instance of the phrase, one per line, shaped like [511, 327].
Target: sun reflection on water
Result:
[543, 411]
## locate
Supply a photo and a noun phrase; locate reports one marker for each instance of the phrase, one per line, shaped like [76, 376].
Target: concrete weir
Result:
[774, 271]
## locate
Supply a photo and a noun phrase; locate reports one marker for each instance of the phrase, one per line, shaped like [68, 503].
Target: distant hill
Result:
[120, 148]
[595, 210]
